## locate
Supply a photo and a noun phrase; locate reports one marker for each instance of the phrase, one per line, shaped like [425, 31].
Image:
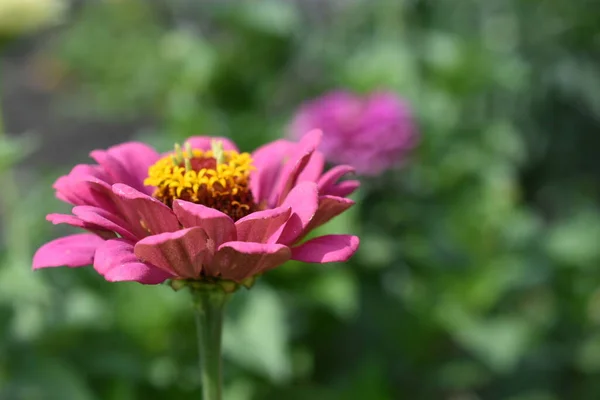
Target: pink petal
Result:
[329, 179]
[92, 192]
[65, 192]
[314, 168]
[329, 207]
[81, 172]
[268, 161]
[263, 226]
[304, 201]
[205, 142]
[342, 189]
[240, 260]
[182, 253]
[85, 185]
[77, 222]
[127, 163]
[103, 192]
[71, 220]
[89, 191]
[104, 220]
[85, 171]
[325, 249]
[145, 214]
[116, 262]
[298, 161]
[218, 226]
[70, 251]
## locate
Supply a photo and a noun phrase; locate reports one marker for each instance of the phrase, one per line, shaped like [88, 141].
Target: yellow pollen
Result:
[196, 176]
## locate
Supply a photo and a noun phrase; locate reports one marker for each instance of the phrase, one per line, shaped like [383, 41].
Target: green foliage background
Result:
[477, 276]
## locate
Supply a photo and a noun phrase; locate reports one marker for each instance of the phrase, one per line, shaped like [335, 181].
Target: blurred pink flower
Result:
[206, 212]
[372, 133]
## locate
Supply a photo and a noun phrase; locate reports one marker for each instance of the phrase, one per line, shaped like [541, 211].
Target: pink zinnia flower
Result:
[372, 133]
[204, 212]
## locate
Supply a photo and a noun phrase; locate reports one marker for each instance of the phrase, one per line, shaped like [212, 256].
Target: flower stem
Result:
[209, 307]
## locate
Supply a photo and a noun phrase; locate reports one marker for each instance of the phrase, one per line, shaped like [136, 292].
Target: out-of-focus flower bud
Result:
[371, 133]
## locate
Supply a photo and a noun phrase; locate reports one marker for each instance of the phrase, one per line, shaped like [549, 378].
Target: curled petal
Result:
[105, 220]
[67, 219]
[205, 142]
[85, 185]
[329, 207]
[182, 253]
[342, 189]
[296, 164]
[77, 222]
[329, 179]
[326, 249]
[145, 214]
[268, 161]
[116, 262]
[218, 226]
[263, 226]
[237, 261]
[69, 251]
[304, 201]
[127, 163]
[314, 168]
[86, 171]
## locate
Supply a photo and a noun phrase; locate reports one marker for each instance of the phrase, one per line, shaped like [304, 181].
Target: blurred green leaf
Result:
[258, 337]
[462, 375]
[270, 16]
[337, 289]
[14, 149]
[382, 64]
[499, 342]
[574, 241]
[50, 380]
[148, 311]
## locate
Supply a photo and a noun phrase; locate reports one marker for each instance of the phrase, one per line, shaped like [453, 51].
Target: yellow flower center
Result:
[215, 178]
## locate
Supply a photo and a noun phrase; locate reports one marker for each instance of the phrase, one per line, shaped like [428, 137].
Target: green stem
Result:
[209, 306]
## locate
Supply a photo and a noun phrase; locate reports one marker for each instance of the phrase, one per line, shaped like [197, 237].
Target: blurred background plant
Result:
[477, 275]
[24, 16]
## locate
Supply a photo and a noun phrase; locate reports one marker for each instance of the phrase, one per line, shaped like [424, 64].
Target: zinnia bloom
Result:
[203, 212]
[372, 133]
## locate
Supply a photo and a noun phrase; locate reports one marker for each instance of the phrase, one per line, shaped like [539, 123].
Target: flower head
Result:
[204, 212]
[371, 133]
[217, 179]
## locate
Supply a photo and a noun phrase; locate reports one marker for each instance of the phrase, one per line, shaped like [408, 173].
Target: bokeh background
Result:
[478, 273]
